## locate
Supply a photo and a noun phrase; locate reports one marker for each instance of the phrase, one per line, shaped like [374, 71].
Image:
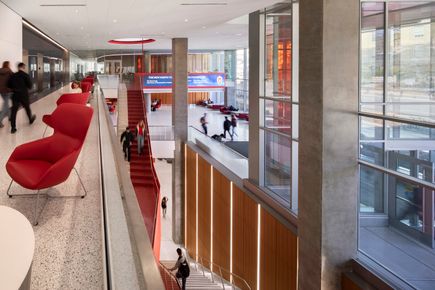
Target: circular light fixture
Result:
[131, 40]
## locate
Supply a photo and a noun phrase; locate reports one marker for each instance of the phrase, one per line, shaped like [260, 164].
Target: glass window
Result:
[397, 150]
[278, 116]
[279, 120]
[278, 54]
[277, 165]
[372, 56]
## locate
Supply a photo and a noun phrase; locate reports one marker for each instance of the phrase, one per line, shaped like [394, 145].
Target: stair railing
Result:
[200, 262]
[171, 276]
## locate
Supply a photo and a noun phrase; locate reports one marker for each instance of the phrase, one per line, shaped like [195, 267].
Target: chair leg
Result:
[45, 130]
[37, 214]
[81, 182]
[9, 188]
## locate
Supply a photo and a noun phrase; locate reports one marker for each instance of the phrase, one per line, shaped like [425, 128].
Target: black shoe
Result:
[32, 119]
[13, 130]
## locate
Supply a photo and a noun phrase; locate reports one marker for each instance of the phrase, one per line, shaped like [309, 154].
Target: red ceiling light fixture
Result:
[131, 41]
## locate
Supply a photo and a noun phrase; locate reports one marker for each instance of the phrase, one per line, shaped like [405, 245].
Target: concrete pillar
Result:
[328, 171]
[147, 97]
[179, 121]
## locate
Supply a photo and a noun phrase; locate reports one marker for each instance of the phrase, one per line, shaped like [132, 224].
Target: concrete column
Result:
[148, 102]
[254, 93]
[179, 121]
[328, 172]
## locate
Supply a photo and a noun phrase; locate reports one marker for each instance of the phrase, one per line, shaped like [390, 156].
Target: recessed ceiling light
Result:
[186, 20]
[77, 11]
[217, 32]
[238, 34]
[81, 27]
[115, 20]
[204, 27]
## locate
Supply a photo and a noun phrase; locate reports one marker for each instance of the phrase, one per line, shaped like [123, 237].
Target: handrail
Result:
[150, 156]
[120, 196]
[232, 275]
[166, 270]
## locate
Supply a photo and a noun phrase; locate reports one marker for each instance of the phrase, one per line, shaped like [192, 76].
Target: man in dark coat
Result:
[127, 138]
[227, 126]
[20, 84]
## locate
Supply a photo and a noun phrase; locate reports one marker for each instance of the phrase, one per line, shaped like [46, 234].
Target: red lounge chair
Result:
[89, 79]
[216, 107]
[85, 86]
[74, 98]
[243, 116]
[49, 161]
[225, 111]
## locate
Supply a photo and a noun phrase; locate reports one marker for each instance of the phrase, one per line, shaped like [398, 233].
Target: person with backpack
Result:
[127, 138]
[182, 267]
[164, 205]
[227, 127]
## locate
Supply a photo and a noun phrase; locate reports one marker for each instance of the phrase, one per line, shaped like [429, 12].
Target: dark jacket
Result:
[5, 74]
[20, 84]
[127, 138]
[227, 124]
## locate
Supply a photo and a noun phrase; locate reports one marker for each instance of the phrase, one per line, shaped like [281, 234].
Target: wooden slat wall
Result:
[193, 98]
[191, 202]
[221, 222]
[204, 209]
[244, 238]
[278, 254]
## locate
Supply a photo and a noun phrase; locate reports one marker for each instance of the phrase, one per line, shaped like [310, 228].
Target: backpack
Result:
[184, 269]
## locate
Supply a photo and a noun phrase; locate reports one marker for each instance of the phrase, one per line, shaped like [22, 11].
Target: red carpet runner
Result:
[142, 172]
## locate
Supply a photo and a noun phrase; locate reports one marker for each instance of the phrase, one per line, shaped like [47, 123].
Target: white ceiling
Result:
[89, 27]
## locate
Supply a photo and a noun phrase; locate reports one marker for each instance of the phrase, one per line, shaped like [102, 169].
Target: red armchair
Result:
[89, 79]
[49, 161]
[85, 86]
[73, 98]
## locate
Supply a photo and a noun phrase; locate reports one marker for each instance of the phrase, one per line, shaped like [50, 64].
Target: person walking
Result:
[127, 138]
[227, 127]
[164, 205]
[140, 133]
[20, 84]
[182, 267]
[204, 123]
[234, 125]
[5, 92]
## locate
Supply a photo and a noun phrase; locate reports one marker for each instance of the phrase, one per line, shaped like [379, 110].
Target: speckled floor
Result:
[68, 253]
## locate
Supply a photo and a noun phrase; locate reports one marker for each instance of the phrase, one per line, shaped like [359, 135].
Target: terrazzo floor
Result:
[68, 251]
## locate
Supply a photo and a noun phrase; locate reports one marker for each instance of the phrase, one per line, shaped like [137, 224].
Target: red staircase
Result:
[142, 172]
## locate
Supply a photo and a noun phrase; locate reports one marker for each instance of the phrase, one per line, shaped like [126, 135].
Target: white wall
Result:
[11, 36]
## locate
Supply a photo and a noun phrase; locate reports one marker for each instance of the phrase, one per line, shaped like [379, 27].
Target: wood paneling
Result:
[221, 222]
[278, 254]
[244, 238]
[204, 209]
[350, 282]
[193, 97]
[191, 202]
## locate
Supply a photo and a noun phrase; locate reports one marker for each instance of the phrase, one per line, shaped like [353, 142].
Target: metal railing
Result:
[167, 273]
[233, 277]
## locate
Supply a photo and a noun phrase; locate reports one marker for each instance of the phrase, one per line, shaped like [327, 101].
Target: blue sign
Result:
[196, 80]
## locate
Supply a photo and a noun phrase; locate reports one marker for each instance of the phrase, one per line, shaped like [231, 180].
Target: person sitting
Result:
[75, 87]
[155, 105]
